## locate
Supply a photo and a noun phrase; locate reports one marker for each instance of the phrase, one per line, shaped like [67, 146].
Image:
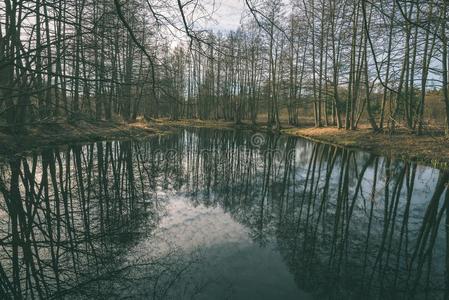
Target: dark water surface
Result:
[219, 214]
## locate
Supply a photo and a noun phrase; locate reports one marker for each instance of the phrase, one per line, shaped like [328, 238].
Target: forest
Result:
[224, 149]
[336, 63]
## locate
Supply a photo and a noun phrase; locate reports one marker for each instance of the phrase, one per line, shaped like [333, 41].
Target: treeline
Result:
[73, 58]
[342, 62]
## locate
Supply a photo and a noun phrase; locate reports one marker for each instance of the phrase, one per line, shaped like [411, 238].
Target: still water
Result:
[220, 214]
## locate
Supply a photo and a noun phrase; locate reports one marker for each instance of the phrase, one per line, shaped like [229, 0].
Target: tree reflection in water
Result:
[348, 224]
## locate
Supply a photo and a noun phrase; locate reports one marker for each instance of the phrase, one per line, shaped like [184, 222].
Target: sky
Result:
[227, 14]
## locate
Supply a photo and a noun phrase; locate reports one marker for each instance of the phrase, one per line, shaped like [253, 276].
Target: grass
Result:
[196, 123]
[431, 150]
[36, 136]
[425, 149]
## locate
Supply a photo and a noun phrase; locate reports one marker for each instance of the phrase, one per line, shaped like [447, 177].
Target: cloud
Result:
[227, 14]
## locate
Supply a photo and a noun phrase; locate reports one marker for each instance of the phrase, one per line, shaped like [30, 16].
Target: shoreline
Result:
[41, 136]
[427, 150]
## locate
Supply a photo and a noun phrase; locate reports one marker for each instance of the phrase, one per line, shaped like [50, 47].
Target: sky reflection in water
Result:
[219, 214]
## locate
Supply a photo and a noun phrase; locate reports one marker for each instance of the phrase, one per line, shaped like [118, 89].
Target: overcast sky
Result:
[227, 15]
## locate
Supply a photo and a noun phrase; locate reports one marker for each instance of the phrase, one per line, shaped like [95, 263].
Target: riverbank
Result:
[41, 135]
[431, 150]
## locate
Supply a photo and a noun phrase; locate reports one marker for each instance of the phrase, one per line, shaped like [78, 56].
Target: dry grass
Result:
[431, 150]
[31, 137]
[165, 122]
[426, 149]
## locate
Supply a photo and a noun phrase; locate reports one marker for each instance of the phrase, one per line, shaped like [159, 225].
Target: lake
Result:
[221, 214]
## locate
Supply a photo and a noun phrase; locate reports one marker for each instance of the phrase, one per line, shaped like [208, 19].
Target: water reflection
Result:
[86, 221]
